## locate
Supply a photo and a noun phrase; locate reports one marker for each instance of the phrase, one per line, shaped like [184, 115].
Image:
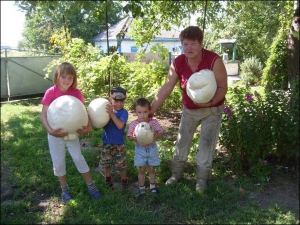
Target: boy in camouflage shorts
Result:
[113, 152]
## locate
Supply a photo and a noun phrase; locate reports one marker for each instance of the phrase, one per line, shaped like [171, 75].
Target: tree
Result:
[293, 57]
[152, 16]
[293, 67]
[253, 23]
[275, 75]
[83, 19]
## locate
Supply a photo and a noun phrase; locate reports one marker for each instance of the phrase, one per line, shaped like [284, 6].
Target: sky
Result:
[12, 24]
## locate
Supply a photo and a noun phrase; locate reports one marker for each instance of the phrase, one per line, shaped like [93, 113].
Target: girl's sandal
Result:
[154, 191]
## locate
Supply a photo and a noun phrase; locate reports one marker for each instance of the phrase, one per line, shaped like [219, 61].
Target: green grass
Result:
[26, 168]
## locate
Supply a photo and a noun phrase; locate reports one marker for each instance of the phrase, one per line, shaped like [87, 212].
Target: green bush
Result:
[98, 72]
[255, 127]
[275, 75]
[251, 71]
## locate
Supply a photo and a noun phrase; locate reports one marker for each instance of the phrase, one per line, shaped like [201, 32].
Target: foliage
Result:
[97, 73]
[253, 23]
[256, 126]
[144, 80]
[275, 74]
[36, 32]
[83, 20]
[58, 40]
[92, 73]
[251, 71]
[157, 15]
[294, 103]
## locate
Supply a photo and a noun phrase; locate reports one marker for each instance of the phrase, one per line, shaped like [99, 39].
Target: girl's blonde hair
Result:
[65, 68]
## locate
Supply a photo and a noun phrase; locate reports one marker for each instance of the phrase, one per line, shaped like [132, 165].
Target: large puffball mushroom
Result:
[201, 86]
[97, 112]
[67, 112]
[144, 133]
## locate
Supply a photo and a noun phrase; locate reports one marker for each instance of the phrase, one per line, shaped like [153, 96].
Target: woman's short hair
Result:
[191, 33]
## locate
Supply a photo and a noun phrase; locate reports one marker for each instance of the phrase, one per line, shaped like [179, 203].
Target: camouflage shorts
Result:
[113, 155]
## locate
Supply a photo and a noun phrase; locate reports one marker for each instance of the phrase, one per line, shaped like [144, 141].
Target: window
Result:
[133, 49]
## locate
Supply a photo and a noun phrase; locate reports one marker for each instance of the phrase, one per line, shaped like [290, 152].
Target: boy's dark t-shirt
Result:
[111, 133]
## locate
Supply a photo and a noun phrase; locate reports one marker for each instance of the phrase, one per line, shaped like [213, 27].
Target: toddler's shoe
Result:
[95, 195]
[141, 193]
[66, 196]
[125, 185]
[110, 184]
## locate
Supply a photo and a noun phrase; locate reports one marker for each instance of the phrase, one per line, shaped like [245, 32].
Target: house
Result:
[5, 47]
[169, 38]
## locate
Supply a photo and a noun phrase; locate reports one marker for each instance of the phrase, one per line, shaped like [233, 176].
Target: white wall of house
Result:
[128, 46]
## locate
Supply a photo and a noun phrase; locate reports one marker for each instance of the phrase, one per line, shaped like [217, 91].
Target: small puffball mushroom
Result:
[144, 133]
[97, 112]
[67, 112]
[201, 86]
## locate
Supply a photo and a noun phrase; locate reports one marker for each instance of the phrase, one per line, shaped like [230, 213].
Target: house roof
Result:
[124, 25]
[227, 41]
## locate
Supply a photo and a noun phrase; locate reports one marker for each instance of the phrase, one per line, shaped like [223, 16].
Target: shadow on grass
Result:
[30, 193]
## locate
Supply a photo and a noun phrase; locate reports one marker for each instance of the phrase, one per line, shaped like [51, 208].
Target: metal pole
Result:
[234, 52]
[7, 77]
[204, 15]
[106, 20]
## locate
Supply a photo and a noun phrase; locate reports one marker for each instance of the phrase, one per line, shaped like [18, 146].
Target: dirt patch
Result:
[281, 190]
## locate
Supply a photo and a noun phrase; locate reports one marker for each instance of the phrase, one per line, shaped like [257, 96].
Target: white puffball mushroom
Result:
[69, 113]
[144, 133]
[97, 112]
[201, 86]
[70, 137]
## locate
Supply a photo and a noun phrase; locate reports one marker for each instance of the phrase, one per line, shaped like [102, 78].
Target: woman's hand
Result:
[205, 105]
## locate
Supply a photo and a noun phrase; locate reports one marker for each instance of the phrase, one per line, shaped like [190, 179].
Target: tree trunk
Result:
[293, 57]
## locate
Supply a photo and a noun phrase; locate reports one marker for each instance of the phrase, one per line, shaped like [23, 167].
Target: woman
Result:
[209, 115]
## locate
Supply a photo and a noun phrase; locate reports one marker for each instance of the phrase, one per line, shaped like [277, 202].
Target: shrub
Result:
[98, 72]
[251, 71]
[275, 73]
[255, 127]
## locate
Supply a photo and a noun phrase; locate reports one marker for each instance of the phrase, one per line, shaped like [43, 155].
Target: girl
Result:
[65, 83]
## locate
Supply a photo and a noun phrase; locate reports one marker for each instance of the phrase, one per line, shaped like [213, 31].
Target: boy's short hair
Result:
[141, 102]
[118, 93]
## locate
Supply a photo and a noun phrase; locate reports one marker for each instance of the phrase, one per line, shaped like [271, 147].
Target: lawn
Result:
[30, 193]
